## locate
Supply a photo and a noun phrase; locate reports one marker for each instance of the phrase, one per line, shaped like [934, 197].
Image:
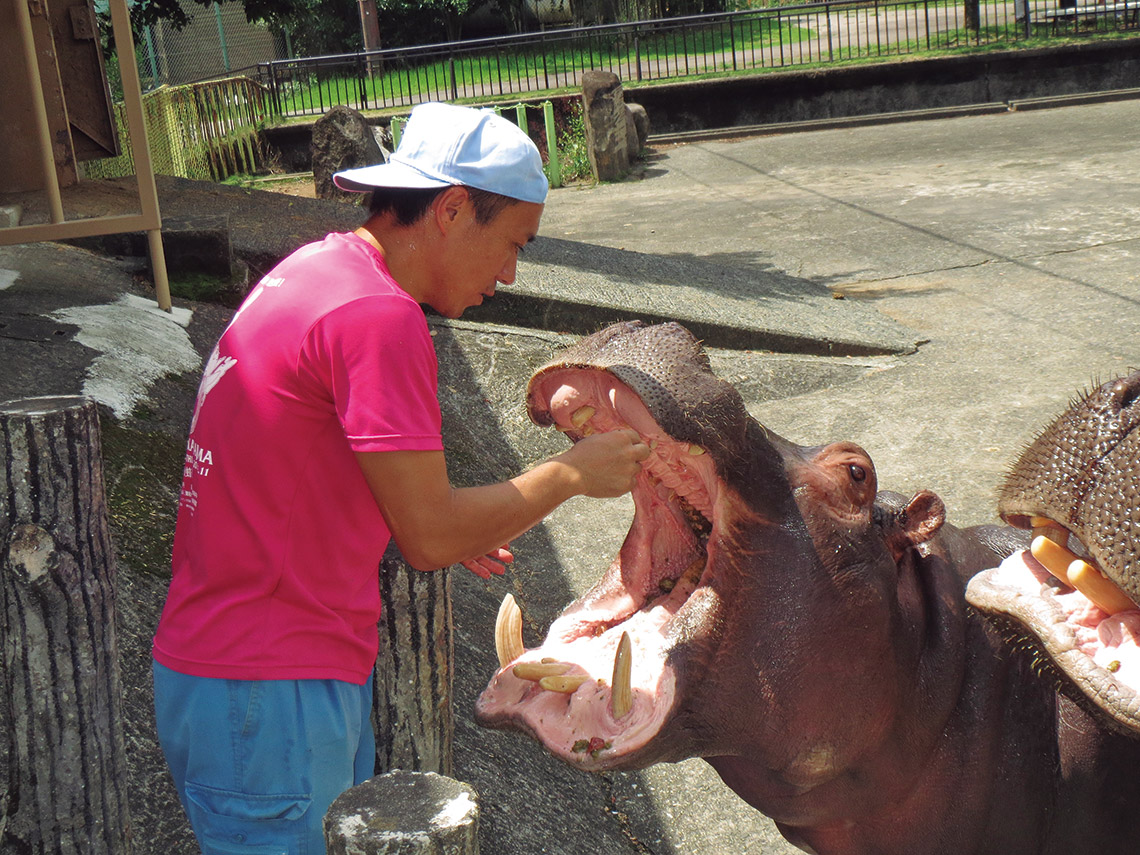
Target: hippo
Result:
[1072, 597]
[807, 635]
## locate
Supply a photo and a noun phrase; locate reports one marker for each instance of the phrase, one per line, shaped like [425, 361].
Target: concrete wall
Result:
[901, 85]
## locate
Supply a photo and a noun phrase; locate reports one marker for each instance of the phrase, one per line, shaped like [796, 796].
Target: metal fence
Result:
[205, 131]
[672, 48]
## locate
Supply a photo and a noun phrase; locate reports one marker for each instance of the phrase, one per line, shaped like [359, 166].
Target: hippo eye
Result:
[858, 473]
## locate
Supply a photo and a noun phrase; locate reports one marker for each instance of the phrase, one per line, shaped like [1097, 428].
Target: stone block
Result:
[607, 125]
[640, 122]
[342, 139]
[10, 216]
[404, 813]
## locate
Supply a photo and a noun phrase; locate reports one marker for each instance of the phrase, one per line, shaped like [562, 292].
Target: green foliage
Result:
[196, 286]
[572, 147]
[315, 27]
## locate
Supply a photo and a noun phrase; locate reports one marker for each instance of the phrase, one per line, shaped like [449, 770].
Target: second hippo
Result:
[808, 636]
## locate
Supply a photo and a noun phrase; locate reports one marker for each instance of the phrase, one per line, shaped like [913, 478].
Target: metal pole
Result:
[148, 32]
[43, 130]
[553, 160]
[222, 38]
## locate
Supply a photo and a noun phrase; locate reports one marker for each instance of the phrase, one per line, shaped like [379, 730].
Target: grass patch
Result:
[528, 70]
[198, 286]
[143, 474]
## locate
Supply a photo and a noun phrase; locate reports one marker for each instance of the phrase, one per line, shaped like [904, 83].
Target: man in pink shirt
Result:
[316, 437]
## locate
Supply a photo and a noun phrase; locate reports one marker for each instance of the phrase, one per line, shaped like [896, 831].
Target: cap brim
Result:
[391, 174]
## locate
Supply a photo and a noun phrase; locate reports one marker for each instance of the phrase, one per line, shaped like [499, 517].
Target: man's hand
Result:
[607, 463]
[493, 562]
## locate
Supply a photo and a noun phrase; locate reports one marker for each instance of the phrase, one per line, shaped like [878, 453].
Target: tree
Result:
[316, 27]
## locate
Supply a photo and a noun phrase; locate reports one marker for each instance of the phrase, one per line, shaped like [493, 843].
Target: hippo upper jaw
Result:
[1075, 592]
[659, 595]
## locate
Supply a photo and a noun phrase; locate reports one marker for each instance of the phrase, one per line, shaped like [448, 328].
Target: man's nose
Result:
[507, 274]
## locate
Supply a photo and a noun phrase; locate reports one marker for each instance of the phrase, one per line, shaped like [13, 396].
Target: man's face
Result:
[480, 256]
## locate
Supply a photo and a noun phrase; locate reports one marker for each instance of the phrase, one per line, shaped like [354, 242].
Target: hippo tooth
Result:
[1045, 527]
[1053, 557]
[1078, 573]
[566, 683]
[1053, 532]
[508, 632]
[1098, 588]
[695, 450]
[537, 670]
[581, 415]
[621, 696]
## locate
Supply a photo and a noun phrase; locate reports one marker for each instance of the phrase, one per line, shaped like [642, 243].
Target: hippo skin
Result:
[806, 635]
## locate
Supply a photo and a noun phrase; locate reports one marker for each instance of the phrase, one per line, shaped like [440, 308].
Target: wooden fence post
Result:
[415, 670]
[67, 787]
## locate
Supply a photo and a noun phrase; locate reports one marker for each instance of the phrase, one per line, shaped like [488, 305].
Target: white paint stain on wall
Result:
[137, 344]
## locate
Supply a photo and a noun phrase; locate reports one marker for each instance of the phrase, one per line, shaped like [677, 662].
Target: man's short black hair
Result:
[407, 206]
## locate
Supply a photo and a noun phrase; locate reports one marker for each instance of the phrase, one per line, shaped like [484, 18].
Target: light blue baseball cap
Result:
[443, 144]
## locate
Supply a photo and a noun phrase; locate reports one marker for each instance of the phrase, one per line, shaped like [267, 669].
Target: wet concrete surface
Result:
[995, 256]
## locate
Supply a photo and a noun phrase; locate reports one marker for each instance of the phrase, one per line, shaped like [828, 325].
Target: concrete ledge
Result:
[574, 287]
[911, 87]
[826, 124]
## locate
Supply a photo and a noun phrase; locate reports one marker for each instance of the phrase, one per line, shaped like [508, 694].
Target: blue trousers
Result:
[258, 762]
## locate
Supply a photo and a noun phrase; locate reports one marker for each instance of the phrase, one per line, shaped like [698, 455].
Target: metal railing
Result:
[669, 49]
[204, 131]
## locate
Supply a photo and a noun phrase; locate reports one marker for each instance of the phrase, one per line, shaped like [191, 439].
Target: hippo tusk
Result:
[566, 684]
[694, 450]
[508, 632]
[1096, 586]
[1053, 556]
[537, 670]
[1045, 527]
[621, 696]
[1078, 573]
[581, 415]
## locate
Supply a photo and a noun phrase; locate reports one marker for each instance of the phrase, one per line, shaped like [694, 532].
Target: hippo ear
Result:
[917, 522]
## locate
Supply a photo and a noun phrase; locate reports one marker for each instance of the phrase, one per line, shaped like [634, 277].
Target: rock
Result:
[640, 122]
[404, 813]
[341, 140]
[632, 144]
[607, 125]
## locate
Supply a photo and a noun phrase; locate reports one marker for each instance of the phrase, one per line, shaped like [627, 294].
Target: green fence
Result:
[205, 131]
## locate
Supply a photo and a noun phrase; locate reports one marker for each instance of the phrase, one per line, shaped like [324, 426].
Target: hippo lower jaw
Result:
[1097, 651]
[656, 590]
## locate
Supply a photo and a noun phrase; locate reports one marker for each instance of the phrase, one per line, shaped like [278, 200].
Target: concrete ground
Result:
[987, 270]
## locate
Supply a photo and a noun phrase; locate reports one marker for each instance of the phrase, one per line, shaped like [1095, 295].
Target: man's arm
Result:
[435, 524]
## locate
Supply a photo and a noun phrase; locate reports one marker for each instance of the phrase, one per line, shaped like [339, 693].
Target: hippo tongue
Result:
[1097, 652]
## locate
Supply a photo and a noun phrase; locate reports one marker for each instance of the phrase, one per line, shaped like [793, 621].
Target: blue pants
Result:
[258, 762]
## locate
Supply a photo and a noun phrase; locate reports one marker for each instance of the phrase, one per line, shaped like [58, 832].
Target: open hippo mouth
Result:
[604, 683]
[1076, 589]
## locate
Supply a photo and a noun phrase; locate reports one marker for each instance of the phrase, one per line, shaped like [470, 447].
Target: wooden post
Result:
[404, 813]
[67, 781]
[415, 669]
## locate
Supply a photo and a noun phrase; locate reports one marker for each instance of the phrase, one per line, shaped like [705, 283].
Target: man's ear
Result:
[448, 206]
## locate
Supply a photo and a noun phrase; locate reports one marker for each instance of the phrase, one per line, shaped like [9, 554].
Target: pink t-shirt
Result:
[278, 538]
